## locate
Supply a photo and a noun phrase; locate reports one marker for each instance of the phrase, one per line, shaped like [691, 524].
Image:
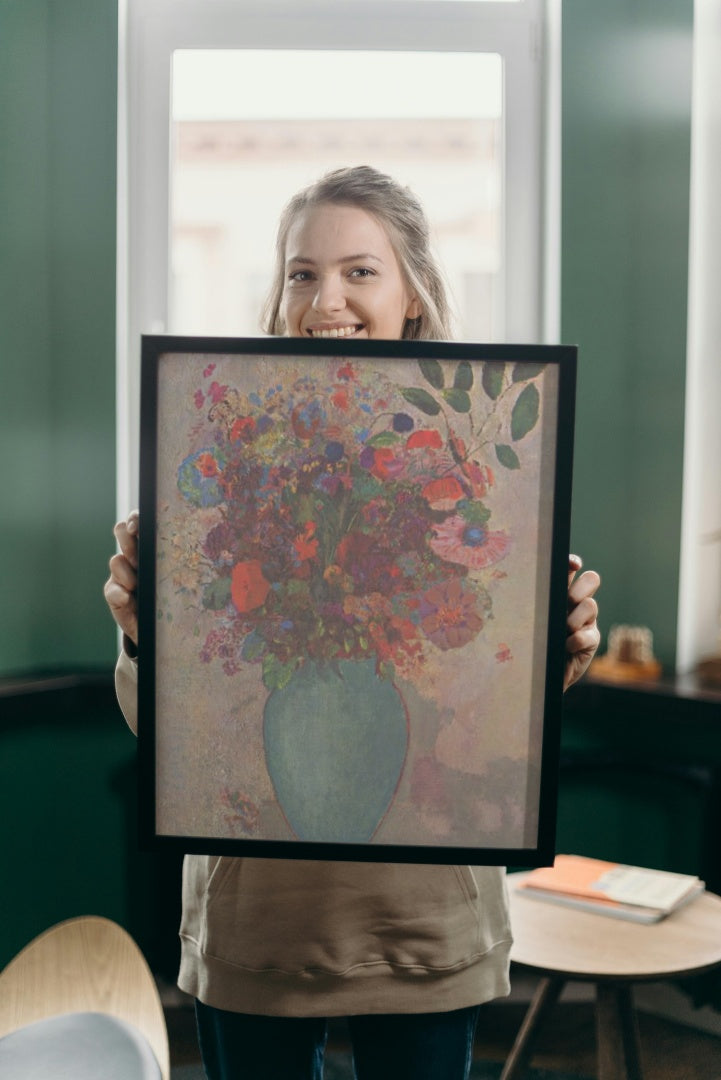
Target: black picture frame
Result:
[416, 563]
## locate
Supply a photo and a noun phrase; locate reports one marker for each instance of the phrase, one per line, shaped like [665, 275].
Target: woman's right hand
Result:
[121, 587]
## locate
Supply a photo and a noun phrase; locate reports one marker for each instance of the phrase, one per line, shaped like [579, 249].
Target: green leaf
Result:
[523, 371]
[459, 400]
[277, 675]
[507, 456]
[422, 400]
[474, 512]
[384, 438]
[525, 412]
[432, 372]
[464, 376]
[387, 670]
[492, 379]
[253, 646]
[217, 594]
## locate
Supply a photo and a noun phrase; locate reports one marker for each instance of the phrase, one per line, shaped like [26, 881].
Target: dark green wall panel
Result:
[626, 146]
[58, 76]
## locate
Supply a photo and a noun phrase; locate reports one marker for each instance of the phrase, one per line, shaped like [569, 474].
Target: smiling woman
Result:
[353, 259]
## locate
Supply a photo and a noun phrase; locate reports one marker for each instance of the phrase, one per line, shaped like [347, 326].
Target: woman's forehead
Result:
[329, 230]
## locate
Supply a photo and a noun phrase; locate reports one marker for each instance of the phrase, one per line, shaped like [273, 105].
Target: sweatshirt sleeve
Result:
[126, 688]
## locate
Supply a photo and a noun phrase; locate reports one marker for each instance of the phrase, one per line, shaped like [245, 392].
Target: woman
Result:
[271, 948]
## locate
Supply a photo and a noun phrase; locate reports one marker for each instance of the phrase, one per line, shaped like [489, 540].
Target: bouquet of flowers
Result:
[340, 516]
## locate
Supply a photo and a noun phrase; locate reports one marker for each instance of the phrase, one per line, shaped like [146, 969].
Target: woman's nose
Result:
[329, 295]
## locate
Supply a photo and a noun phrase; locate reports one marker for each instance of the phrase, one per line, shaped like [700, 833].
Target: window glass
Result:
[251, 127]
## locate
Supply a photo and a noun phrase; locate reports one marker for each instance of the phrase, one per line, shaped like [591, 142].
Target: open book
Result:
[608, 888]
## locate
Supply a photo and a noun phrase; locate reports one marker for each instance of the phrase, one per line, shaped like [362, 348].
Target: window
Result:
[236, 160]
[227, 107]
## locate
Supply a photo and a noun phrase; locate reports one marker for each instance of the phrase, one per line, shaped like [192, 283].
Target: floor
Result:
[670, 1051]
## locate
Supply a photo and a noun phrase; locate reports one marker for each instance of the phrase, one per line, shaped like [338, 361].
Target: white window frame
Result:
[526, 34]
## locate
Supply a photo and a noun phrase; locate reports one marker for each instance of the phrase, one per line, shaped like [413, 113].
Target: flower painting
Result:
[351, 594]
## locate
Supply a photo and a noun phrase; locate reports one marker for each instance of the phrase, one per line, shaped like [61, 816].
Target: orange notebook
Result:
[631, 892]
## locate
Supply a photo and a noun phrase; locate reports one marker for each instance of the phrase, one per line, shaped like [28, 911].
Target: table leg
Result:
[545, 997]
[617, 1033]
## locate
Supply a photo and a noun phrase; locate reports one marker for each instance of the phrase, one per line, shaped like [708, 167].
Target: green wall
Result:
[625, 167]
[58, 72]
[626, 137]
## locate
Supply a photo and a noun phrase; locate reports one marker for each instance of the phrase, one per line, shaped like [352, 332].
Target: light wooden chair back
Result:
[87, 964]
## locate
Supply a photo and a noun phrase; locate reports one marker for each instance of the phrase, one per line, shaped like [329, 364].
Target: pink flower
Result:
[469, 544]
[449, 617]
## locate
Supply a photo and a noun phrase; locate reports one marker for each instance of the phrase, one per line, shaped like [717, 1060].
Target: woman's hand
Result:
[121, 587]
[582, 634]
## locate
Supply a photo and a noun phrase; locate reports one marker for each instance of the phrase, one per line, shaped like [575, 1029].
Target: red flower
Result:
[306, 543]
[249, 587]
[207, 465]
[243, 428]
[425, 437]
[480, 477]
[385, 463]
[340, 399]
[444, 493]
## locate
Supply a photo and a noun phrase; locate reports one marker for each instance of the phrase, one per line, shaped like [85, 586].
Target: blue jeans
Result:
[415, 1046]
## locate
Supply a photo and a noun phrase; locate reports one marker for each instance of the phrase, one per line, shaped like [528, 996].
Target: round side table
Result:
[563, 944]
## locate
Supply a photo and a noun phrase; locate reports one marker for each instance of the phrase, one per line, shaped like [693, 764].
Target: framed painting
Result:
[352, 597]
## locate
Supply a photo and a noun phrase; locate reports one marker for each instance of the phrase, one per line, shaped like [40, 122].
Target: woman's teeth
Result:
[337, 331]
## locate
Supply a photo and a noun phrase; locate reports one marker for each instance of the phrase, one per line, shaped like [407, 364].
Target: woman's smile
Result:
[335, 331]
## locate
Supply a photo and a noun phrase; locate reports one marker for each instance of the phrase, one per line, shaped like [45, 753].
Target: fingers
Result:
[584, 586]
[584, 613]
[121, 587]
[123, 608]
[126, 534]
[584, 641]
[575, 563]
[582, 633]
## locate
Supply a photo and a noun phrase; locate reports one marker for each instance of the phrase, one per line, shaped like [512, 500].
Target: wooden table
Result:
[563, 944]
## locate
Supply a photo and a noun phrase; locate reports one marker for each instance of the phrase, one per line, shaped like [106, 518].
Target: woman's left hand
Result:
[582, 634]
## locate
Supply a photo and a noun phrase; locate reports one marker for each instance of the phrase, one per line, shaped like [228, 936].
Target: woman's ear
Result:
[415, 309]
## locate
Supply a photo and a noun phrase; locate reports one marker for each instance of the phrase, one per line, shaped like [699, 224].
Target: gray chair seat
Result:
[78, 1046]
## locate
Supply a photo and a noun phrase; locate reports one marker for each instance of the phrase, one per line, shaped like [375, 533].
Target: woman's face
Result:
[342, 277]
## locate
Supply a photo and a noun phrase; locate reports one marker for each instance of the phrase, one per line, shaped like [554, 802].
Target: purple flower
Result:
[402, 422]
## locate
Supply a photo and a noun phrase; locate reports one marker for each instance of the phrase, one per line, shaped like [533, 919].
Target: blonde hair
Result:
[403, 217]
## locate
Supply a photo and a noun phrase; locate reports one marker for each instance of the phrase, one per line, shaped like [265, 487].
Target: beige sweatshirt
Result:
[286, 937]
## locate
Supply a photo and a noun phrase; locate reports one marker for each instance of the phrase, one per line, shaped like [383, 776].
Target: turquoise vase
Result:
[335, 743]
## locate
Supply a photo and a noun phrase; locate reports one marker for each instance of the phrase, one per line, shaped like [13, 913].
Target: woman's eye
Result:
[362, 272]
[300, 276]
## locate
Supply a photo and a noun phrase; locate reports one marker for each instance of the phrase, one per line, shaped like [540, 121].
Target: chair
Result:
[80, 1002]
